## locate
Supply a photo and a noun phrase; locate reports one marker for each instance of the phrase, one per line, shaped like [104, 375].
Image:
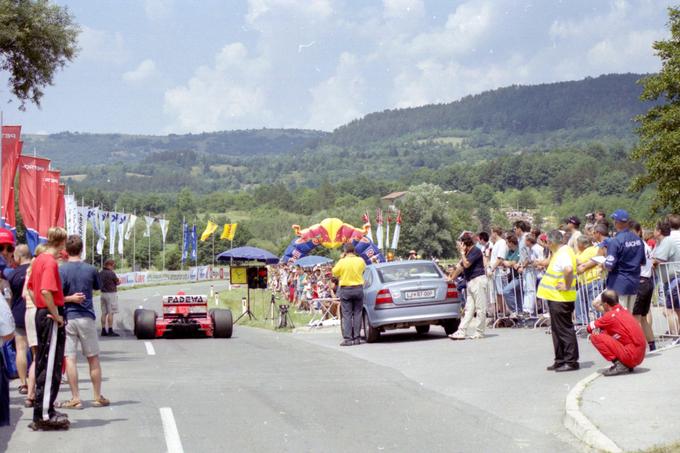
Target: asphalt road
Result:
[266, 391]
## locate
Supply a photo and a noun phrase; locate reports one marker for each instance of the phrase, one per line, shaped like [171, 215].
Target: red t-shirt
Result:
[45, 276]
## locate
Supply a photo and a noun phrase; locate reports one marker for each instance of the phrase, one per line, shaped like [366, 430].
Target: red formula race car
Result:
[183, 315]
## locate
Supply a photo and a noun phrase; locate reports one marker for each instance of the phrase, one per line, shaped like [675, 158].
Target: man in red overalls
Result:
[620, 339]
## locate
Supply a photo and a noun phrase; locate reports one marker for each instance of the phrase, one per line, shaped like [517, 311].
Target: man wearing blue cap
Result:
[625, 257]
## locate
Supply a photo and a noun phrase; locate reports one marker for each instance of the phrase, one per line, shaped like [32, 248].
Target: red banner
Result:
[60, 220]
[49, 198]
[11, 149]
[30, 171]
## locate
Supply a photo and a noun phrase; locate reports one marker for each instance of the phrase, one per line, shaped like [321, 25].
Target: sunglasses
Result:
[9, 248]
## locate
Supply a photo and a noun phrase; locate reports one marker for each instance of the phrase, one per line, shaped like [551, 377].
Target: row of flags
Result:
[190, 238]
[383, 237]
[41, 195]
[228, 231]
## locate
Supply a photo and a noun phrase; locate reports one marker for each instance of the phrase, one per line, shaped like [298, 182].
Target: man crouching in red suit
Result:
[620, 338]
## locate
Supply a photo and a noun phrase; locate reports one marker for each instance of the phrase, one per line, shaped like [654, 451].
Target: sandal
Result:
[70, 404]
[29, 402]
[23, 389]
[101, 402]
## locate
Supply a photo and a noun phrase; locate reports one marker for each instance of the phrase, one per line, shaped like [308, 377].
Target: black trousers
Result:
[563, 334]
[352, 305]
[47, 387]
[4, 393]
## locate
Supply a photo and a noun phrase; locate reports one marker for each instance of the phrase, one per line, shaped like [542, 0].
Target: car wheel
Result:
[223, 324]
[422, 330]
[136, 318]
[370, 333]
[450, 325]
[145, 325]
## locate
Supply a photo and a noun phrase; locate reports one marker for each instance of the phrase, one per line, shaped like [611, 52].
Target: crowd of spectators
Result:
[303, 287]
[612, 252]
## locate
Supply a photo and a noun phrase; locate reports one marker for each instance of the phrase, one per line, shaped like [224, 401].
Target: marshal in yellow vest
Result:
[547, 289]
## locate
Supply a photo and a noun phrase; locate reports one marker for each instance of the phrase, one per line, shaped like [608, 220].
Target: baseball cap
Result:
[574, 220]
[6, 236]
[620, 215]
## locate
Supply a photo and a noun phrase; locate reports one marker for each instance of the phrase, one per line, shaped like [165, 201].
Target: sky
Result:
[180, 66]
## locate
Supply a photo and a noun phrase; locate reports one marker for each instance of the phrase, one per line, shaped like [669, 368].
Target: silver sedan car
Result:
[404, 294]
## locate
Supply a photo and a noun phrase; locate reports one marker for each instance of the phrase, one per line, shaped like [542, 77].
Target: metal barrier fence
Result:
[513, 301]
[665, 310]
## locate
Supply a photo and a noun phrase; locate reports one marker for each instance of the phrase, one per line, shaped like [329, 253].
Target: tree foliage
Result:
[37, 38]
[659, 129]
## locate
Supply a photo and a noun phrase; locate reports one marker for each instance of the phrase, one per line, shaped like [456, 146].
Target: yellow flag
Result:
[229, 231]
[210, 228]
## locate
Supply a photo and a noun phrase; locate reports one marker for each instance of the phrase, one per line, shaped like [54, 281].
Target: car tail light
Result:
[383, 297]
[451, 291]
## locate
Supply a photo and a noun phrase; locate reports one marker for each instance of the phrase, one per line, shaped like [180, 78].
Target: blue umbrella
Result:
[312, 260]
[248, 254]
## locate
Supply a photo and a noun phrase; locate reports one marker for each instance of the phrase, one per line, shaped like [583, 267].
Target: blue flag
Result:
[185, 241]
[194, 244]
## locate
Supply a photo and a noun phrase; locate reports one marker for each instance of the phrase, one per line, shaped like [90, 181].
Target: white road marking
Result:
[172, 439]
[149, 348]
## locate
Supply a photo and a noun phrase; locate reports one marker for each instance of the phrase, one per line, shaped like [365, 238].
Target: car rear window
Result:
[403, 272]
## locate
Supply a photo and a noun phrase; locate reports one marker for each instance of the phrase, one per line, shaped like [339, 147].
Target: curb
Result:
[580, 426]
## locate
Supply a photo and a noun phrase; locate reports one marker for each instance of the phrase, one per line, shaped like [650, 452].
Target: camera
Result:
[590, 217]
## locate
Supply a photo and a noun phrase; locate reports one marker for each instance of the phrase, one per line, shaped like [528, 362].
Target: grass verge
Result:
[260, 305]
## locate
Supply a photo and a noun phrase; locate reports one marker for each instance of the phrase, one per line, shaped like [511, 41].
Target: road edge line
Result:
[579, 425]
[172, 439]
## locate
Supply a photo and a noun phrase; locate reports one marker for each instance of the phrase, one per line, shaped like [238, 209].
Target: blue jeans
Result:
[529, 302]
[510, 294]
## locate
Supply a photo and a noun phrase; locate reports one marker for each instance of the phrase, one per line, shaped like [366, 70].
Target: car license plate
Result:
[420, 294]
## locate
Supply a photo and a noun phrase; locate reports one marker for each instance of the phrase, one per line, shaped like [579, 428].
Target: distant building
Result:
[392, 198]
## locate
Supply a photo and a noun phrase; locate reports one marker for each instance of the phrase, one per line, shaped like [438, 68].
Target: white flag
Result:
[81, 227]
[122, 221]
[130, 226]
[113, 226]
[101, 220]
[71, 208]
[164, 228]
[149, 222]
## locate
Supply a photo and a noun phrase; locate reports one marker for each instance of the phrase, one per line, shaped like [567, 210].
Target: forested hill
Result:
[67, 148]
[586, 109]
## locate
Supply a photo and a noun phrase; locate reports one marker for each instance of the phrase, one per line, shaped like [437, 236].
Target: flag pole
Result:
[134, 243]
[149, 268]
[2, 127]
[162, 234]
[213, 254]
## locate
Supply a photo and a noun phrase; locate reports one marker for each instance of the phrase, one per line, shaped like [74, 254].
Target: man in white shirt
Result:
[498, 252]
[573, 224]
[645, 290]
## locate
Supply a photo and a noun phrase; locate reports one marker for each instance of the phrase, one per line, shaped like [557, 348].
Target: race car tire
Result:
[136, 317]
[145, 327]
[223, 324]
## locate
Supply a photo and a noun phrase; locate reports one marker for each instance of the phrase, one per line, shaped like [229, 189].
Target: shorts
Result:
[644, 297]
[31, 330]
[83, 331]
[109, 303]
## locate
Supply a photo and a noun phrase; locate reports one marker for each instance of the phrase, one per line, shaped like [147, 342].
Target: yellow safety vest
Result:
[547, 289]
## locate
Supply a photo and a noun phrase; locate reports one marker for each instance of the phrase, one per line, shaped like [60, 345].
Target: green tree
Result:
[659, 140]
[426, 222]
[36, 39]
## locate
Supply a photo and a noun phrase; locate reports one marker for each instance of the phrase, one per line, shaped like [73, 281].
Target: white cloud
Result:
[228, 95]
[146, 70]
[340, 98]
[102, 46]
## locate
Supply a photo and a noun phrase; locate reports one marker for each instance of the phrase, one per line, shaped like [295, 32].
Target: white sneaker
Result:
[457, 335]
